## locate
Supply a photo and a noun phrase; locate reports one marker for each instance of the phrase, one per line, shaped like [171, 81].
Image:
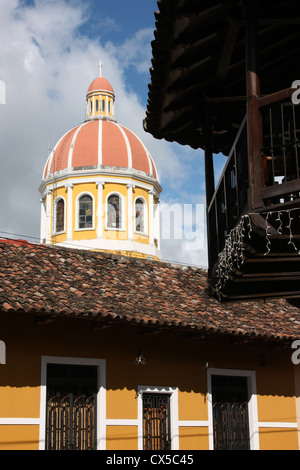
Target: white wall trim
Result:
[276, 424]
[19, 421]
[98, 177]
[188, 423]
[113, 245]
[122, 422]
[110, 174]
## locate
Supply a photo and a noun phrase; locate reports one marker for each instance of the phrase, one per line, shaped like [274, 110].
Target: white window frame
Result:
[145, 231]
[85, 193]
[252, 403]
[122, 204]
[173, 392]
[101, 394]
[56, 200]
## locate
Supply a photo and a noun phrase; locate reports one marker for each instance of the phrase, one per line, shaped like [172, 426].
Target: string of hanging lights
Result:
[233, 254]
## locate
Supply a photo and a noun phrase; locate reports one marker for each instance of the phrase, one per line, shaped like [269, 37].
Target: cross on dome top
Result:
[100, 98]
[100, 68]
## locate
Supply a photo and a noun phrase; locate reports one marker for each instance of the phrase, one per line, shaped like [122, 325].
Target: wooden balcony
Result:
[254, 239]
[216, 70]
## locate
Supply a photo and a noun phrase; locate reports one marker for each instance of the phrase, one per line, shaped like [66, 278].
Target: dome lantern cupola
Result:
[100, 99]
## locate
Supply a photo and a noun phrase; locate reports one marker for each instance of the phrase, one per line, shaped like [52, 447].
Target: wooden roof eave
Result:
[176, 74]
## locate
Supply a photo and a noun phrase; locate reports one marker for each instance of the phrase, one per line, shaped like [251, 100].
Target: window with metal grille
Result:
[85, 211]
[114, 216]
[230, 413]
[71, 407]
[156, 421]
[59, 225]
[139, 215]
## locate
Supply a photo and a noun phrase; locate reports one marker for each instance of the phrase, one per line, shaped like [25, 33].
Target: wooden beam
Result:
[227, 49]
[280, 190]
[266, 259]
[280, 207]
[278, 21]
[255, 139]
[43, 319]
[210, 189]
[262, 277]
[275, 97]
[261, 295]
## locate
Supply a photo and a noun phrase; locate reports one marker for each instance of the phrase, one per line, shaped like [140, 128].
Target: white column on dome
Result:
[112, 110]
[87, 109]
[69, 187]
[156, 220]
[151, 217]
[130, 188]
[100, 185]
[48, 216]
[43, 221]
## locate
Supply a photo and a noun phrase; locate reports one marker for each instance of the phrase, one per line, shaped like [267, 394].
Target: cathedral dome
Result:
[100, 188]
[99, 143]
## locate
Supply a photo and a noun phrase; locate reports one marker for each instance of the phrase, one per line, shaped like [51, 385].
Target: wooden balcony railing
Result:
[278, 189]
[230, 197]
[281, 149]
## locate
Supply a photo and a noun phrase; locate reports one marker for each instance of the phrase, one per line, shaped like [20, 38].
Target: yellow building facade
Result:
[180, 373]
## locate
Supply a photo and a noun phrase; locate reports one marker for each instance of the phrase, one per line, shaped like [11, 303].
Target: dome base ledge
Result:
[125, 247]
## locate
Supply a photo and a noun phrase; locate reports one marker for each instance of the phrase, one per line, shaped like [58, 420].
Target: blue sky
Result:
[49, 51]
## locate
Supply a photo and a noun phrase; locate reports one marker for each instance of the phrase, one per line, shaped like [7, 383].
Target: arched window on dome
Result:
[59, 215]
[140, 215]
[114, 212]
[85, 211]
[103, 105]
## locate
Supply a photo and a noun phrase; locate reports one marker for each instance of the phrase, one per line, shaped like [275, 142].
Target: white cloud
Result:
[47, 66]
[135, 51]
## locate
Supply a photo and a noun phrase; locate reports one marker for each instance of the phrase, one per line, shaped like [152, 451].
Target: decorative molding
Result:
[20, 421]
[193, 423]
[276, 424]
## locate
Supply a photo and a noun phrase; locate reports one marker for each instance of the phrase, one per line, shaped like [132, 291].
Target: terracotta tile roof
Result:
[56, 281]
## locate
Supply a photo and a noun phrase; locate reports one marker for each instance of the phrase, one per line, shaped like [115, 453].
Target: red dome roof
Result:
[99, 143]
[100, 83]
